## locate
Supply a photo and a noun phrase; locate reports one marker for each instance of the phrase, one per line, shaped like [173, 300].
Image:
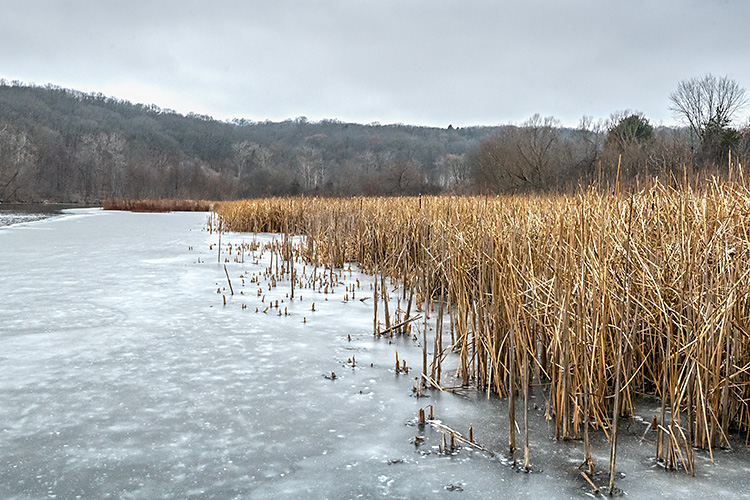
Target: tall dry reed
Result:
[157, 205]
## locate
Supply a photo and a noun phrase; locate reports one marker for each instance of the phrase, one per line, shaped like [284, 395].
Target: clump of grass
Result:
[600, 297]
[157, 205]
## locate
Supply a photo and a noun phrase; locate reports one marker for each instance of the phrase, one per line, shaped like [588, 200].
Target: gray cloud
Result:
[427, 62]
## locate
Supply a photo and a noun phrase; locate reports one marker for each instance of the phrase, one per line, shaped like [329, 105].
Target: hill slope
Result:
[63, 145]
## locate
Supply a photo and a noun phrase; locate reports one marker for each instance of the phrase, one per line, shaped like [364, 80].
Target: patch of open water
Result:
[12, 214]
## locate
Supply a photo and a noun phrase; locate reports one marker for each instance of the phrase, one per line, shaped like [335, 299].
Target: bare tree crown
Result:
[709, 100]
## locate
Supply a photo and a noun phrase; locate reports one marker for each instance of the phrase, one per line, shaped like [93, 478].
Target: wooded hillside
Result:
[67, 146]
[63, 145]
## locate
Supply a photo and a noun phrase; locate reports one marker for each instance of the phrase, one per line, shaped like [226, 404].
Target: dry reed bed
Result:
[601, 297]
[154, 205]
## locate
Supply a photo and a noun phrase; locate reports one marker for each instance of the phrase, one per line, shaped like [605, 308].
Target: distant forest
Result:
[61, 145]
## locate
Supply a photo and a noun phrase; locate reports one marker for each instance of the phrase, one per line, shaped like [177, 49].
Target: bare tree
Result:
[311, 167]
[454, 171]
[537, 137]
[100, 161]
[401, 178]
[520, 158]
[707, 102]
[494, 163]
[585, 148]
[670, 152]
[243, 153]
[17, 156]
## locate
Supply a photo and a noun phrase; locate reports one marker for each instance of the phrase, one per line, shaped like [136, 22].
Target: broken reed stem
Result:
[456, 436]
[228, 280]
[588, 480]
[399, 325]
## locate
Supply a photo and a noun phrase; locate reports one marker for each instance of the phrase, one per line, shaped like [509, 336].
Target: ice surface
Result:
[124, 376]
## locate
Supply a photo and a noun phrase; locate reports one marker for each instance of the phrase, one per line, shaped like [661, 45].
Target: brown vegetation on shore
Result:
[157, 205]
[599, 297]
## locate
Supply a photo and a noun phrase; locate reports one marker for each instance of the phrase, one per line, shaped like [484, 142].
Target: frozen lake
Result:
[125, 376]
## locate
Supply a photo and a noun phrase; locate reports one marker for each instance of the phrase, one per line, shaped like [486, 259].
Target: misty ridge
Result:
[62, 145]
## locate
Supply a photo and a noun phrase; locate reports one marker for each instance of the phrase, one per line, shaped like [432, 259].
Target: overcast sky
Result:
[426, 62]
